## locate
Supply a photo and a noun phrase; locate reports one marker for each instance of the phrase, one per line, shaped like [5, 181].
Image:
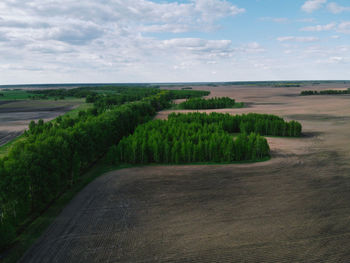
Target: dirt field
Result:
[293, 208]
[16, 115]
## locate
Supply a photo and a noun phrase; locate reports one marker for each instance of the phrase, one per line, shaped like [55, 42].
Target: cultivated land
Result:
[15, 115]
[293, 208]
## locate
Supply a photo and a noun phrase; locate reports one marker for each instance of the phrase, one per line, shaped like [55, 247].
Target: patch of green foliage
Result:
[4, 149]
[35, 229]
[263, 124]
[212, 103]
[17, 94]
[176, 142]
[186, 94]
[53, 155]
[201, 137]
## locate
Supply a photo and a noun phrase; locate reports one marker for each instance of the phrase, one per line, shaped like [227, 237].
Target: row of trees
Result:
[177, 142]
[102, 102]
[263, 124]
[83, 92]
[325, 92]
[212, 103]
[52, 156]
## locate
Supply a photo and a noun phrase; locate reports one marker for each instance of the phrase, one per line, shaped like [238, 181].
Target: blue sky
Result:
[65, 41]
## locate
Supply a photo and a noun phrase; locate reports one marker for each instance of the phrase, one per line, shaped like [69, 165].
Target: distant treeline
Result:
[263, 124]
[180, 142]
[324, 92]
[84, 92]
[286, 85]
[212, 103]
[53, 155]
[105, 97]
[105, 102]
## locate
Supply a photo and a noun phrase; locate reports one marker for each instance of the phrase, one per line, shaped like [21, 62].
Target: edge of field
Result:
[31, 233]
[72, 113]
[25, 240]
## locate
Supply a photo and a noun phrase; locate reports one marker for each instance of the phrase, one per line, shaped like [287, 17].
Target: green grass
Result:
[82, 107]
[6, 147]
[14, 95]
[25, 95]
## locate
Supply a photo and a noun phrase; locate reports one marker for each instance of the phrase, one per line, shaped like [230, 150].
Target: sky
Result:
[116, 41]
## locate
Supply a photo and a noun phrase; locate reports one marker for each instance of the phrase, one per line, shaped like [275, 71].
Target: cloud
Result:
[252, 47]
[306, 20]
[80, 23]
[213, 9]
[344, 27]
[274, 19]
[108, 34]
[312, 5]
[297, 39]
[319, 28]
[336, 9]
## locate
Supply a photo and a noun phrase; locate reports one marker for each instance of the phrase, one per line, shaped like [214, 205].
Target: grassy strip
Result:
[14, 95]
[27, 238]
[6, 147]
[25, 95]
[82, 107]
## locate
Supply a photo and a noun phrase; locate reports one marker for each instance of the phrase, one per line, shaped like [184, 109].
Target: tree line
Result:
[263, 124]
[324, 92]
[103, 102]
[53, 155]
[212, 103]
[175, 142]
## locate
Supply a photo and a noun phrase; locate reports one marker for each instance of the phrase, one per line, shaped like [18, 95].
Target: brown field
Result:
[293, 208]
[16, 115]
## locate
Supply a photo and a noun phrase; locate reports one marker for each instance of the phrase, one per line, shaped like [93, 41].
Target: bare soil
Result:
[293, 208]
[16, 115]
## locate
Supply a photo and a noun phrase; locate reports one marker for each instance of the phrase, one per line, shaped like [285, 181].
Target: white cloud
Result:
[344, 27]
[274, 19]
[213, 9]
[336, 59]
[306, 20]
[297, 39]
[336, 9]
[66, 37]
[319, 28]
[312, 5]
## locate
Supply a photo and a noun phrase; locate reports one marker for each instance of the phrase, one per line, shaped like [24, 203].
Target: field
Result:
[292, 208]
[15, 115]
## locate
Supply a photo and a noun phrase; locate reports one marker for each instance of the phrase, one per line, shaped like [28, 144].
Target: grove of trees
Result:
[53, 155]
[180, 142]
[263, 124]
[212, 103]
[201, 137]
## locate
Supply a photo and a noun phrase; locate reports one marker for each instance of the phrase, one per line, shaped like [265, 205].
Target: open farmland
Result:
[293, 208]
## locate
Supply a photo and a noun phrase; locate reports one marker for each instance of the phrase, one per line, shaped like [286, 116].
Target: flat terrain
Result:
[15, 115]
[293, 208]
